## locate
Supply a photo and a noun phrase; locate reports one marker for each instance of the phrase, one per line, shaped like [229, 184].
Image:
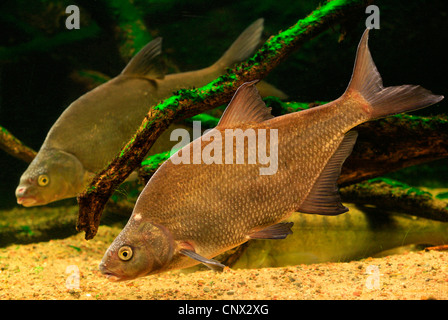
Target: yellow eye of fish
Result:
[125, 253]
[43, 180]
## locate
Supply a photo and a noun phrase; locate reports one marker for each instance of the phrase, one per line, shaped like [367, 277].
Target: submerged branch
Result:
[394, 143]
[15, 147]
[391, 195]
[187, 103]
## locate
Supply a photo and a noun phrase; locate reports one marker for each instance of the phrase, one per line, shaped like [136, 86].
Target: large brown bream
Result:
[189, 213]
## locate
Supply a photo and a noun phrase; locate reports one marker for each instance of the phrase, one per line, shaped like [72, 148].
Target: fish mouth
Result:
[27, 201]
[111, 277]
[109, 274]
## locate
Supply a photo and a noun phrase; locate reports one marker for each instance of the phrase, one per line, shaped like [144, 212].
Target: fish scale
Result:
[193, 212]
[228, 201]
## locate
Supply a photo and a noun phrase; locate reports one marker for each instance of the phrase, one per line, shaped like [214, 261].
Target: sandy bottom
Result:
[49, 270]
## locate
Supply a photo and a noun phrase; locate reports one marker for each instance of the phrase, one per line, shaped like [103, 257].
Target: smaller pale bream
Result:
[94, 128]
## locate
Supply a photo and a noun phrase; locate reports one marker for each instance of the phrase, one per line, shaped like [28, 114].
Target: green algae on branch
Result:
[187, 103]
[280, 107]
[391, 195]
[207, 121]
[15, 147]
[151, 164]
[398, 185]
[443, 196]
[278, 47]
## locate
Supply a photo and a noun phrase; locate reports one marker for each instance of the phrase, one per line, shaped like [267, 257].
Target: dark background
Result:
[35, 84]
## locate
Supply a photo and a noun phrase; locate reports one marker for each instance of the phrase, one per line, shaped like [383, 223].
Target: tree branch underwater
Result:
[381, 158]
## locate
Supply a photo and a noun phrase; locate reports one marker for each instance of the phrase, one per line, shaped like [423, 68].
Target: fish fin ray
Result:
[243, 46]
[147, 62]
[324, 197]
[276, 231]
[385, 101]
[245, 106]
[211, 263]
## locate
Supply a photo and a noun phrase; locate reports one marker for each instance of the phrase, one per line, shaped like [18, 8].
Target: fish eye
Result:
[125, 253]
[43, 180]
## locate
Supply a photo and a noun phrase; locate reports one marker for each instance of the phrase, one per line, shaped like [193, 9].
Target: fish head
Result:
[142, 248]
[52, 175]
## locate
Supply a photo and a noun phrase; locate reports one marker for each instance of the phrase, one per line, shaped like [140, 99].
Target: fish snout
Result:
[102, 267]
[109, 275]
[21, 191]
[23, 196]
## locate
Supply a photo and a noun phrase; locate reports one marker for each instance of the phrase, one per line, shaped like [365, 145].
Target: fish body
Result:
[357, 234]
[189, 212]
[94, 128]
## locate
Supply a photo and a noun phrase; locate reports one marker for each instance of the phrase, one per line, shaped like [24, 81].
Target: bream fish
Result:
[189, 213]
[94, 128]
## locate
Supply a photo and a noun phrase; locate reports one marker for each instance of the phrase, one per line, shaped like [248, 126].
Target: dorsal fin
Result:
[243, 46]
[324, 197]
[245, 106]
[146, 63]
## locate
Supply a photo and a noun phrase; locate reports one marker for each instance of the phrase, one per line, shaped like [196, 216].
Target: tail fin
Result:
[385, 101]
[243, 46]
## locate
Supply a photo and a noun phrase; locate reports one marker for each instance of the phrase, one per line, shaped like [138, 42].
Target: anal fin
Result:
[324, 197]
[211, 263]
[276, 231]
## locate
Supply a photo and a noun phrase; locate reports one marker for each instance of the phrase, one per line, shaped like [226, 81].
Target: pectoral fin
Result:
[212, 264]
[276, 231]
